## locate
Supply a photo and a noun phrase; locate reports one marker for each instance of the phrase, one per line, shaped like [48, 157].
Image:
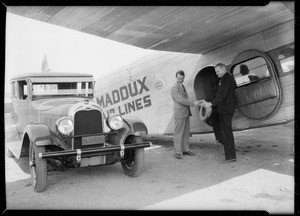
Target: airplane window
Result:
[250, 71]
[286, 58]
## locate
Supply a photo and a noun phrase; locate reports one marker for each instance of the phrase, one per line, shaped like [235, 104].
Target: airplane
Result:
[192, 39]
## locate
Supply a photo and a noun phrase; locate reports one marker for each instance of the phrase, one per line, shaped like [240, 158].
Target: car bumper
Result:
[82, 152]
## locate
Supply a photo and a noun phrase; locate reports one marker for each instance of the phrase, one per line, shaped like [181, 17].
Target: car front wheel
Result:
[38, 168]
[134, 159]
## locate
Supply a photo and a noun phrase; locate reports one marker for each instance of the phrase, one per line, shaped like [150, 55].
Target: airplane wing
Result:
[190, 29]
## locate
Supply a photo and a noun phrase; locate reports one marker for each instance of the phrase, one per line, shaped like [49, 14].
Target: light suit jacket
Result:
[181, 101]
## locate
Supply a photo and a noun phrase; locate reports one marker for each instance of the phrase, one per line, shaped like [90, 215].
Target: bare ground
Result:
[164, 176]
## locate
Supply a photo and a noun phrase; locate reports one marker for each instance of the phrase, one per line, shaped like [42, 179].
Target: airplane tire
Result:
[38, 168]
[9, 154]
[134, 159]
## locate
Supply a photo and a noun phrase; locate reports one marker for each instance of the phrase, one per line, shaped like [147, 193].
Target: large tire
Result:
[38, 168]
[134, 159]
[9, 154]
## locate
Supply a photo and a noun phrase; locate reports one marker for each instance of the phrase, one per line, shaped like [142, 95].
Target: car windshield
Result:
[84, 89]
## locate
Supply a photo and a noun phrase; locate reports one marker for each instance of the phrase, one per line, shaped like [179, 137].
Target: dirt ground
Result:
[260, 147]
[164, 176]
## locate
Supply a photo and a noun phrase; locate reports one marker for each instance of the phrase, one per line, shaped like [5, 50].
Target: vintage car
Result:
[58, 125]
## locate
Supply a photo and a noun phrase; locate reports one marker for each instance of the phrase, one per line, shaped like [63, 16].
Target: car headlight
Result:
[64, 125]
[115, 122]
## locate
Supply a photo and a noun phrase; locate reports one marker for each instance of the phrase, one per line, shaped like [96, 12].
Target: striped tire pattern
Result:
[38, 170]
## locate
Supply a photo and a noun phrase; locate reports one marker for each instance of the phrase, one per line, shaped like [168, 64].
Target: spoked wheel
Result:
[38, 168]
[134, 159]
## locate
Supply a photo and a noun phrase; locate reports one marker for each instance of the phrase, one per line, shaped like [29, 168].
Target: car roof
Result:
[51, 74]
[54, 76]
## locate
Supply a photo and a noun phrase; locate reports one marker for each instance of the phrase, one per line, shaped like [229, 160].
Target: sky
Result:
[28, 41]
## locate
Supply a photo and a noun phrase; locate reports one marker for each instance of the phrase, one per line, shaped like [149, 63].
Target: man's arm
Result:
[179, 98]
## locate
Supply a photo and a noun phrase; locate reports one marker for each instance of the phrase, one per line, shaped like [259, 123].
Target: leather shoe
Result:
[231, 160]
[188, 153]
[178, 156]
[218, 142]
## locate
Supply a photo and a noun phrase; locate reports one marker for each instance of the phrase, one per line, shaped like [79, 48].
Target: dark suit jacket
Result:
[225, 96]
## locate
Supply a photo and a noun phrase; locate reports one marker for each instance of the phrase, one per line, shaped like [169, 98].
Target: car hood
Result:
[55, 106]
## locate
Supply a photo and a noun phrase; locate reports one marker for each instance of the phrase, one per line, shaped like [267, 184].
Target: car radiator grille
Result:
[87, 122]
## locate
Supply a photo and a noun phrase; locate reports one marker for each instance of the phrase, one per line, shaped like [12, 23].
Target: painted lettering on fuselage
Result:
[126, 99]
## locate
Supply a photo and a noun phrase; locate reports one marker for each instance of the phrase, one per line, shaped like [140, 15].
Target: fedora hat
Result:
[204, 113]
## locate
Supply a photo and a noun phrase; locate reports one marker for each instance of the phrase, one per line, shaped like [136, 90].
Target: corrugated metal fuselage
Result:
[143, 88]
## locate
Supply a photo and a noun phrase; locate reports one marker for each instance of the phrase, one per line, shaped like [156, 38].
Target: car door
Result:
[20, 105]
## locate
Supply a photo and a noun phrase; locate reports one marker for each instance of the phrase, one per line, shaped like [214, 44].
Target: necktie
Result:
[183, 88]
[219, 84]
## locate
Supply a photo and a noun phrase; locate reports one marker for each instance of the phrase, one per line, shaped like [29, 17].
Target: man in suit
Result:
[214, 121]
[213, 118]
[182, 115]
[225, 102]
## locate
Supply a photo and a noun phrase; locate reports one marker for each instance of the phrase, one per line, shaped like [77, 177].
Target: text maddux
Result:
[123, 93]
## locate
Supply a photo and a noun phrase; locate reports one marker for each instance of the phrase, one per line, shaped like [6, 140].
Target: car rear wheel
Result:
[38, 168]
[134, 159]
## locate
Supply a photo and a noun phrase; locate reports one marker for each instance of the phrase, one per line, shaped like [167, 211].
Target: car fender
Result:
[39, 134]
[119, 136]
[132, 127]
[136, 125]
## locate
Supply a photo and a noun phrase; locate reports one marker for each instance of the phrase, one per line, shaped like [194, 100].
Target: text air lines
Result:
[125, 92]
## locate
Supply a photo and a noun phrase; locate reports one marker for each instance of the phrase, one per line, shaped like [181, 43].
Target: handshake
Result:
[202, 103]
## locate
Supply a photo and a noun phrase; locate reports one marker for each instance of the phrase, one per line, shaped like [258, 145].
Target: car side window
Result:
[17, 91]
[20, 90]
[250, 71]
[62, 89]
[12, 90]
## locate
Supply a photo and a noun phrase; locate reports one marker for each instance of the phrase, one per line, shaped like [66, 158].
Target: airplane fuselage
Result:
[142, 89]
